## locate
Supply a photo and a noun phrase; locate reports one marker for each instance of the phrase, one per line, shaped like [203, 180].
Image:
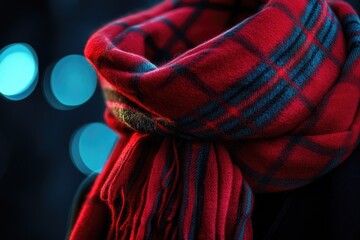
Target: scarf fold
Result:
[215, 100]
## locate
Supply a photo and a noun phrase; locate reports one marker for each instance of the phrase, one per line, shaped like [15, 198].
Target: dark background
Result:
[37, 177]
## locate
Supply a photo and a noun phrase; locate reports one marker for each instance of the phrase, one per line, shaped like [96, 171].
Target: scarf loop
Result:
[215, 100]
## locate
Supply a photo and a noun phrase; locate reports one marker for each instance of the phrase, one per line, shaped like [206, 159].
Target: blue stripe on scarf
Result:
[308, 11]
[212, 111]
[264, 101]
[243, 214]
[287, 50]
[275, 108]
[330, 36]
[169, 159]
[201, 163]
[314, 13]
[314, 57]
[246, 87]
[351, 24]
[144, 67]
[232, 122]
[324, 29]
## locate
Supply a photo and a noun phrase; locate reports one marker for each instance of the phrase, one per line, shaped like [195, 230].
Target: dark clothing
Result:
[327, 209]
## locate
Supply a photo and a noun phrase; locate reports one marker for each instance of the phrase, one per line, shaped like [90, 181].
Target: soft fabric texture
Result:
[327, 209]
[215, 100]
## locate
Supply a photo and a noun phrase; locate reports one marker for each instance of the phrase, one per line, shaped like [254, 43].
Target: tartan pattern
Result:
[216, 99]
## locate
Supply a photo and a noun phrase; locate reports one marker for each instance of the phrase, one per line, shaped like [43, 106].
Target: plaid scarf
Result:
[216, 100]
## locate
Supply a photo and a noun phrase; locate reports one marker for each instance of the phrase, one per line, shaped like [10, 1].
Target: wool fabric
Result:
[216, 100]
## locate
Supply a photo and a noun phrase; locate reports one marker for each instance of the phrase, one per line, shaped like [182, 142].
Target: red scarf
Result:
[216, 99]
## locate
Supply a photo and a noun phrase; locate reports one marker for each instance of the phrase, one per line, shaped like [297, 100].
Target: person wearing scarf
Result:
[217, 101]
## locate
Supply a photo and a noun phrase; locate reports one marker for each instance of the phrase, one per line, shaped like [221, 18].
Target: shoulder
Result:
[326, 209]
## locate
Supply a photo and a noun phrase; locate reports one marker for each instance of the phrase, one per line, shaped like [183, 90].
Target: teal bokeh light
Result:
[91, 146]
[18, 71]
[72, 81]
